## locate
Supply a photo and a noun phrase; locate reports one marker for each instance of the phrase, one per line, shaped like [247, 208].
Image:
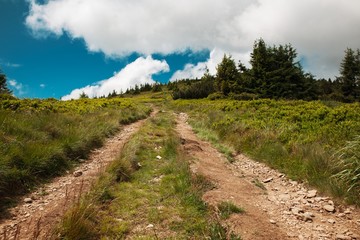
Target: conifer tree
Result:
[350, 75]
[3, 86]
[226, 76]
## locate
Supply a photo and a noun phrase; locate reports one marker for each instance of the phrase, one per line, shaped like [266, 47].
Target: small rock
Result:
[284, 197]
[332, 221]
[341, 214]
[272, 221]
[158, 157]
[308, 217]
[329, 208]
[28, 200]
[293, 182]
[311, 194]
[347, 211]
[268, 180]
[296, 210]
[286, 212]
[331, 202]
[77, 173]
[301, 237]
[342, 237]
[149, 226]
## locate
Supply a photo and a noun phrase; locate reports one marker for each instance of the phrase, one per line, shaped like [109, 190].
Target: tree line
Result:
[274, 73]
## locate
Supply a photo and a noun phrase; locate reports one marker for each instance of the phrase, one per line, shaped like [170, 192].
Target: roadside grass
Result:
[211, 136]
[299, 138]
[38, 143]
[259, 184]
[228, 208]
[143, 196]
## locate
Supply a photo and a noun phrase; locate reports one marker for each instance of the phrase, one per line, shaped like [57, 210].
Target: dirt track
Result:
[34, 220]
[281, 209]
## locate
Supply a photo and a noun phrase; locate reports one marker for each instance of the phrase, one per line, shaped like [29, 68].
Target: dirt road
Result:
[275, 207]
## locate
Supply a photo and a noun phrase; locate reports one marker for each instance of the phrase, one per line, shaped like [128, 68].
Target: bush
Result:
[243, 96]
[216, 95]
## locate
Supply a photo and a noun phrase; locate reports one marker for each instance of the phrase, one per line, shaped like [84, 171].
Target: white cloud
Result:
[9, 64]
[138, 72]
[320, 30]
[42, 85]
[19, 87]
[192, 71]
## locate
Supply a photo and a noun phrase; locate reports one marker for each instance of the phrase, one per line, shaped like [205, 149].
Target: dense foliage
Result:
[300, 138]
[274, 74]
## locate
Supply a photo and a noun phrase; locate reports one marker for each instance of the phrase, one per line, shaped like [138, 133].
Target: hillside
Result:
[157, 179]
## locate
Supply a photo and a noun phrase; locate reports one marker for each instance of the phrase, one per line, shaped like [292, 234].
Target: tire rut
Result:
[41, 210]
[275, 207]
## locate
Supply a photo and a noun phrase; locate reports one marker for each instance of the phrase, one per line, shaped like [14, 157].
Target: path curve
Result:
[44, 208]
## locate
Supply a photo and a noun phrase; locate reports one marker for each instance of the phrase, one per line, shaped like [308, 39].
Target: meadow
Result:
[314, 142]
[41, 139]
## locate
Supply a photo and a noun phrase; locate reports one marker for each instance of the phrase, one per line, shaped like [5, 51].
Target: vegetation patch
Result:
[228, 208]
[42, 138]
[297, 137]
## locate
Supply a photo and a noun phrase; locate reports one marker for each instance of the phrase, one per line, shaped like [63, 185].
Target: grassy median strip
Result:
[148, 193]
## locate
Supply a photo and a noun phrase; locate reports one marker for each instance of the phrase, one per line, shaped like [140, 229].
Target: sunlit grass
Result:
[159, 200]
[38, 143]
[298, 138]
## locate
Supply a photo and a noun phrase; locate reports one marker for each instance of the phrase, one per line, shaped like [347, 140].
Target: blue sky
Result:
[57, 48]
[53, 66]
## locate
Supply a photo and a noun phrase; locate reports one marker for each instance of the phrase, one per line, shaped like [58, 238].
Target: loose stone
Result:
[329, 208]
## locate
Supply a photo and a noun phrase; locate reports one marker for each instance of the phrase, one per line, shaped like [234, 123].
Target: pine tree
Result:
[227, 76]
[3, 86]
[350, 74]
[275, 73]
[259, 63]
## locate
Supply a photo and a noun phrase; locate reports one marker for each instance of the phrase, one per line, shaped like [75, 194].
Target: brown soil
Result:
[36, 219]
[275, 207]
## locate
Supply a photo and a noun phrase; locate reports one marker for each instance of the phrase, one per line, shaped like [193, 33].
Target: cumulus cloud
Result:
[193, 71]
[138, 72]
[320, 30]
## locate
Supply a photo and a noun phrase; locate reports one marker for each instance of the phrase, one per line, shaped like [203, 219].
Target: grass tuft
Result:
[228, 208]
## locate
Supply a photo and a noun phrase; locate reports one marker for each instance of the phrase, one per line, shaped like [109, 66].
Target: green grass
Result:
[40, 139]
[160, 199]
[228, 208]
[299, 138]
[259, 184]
